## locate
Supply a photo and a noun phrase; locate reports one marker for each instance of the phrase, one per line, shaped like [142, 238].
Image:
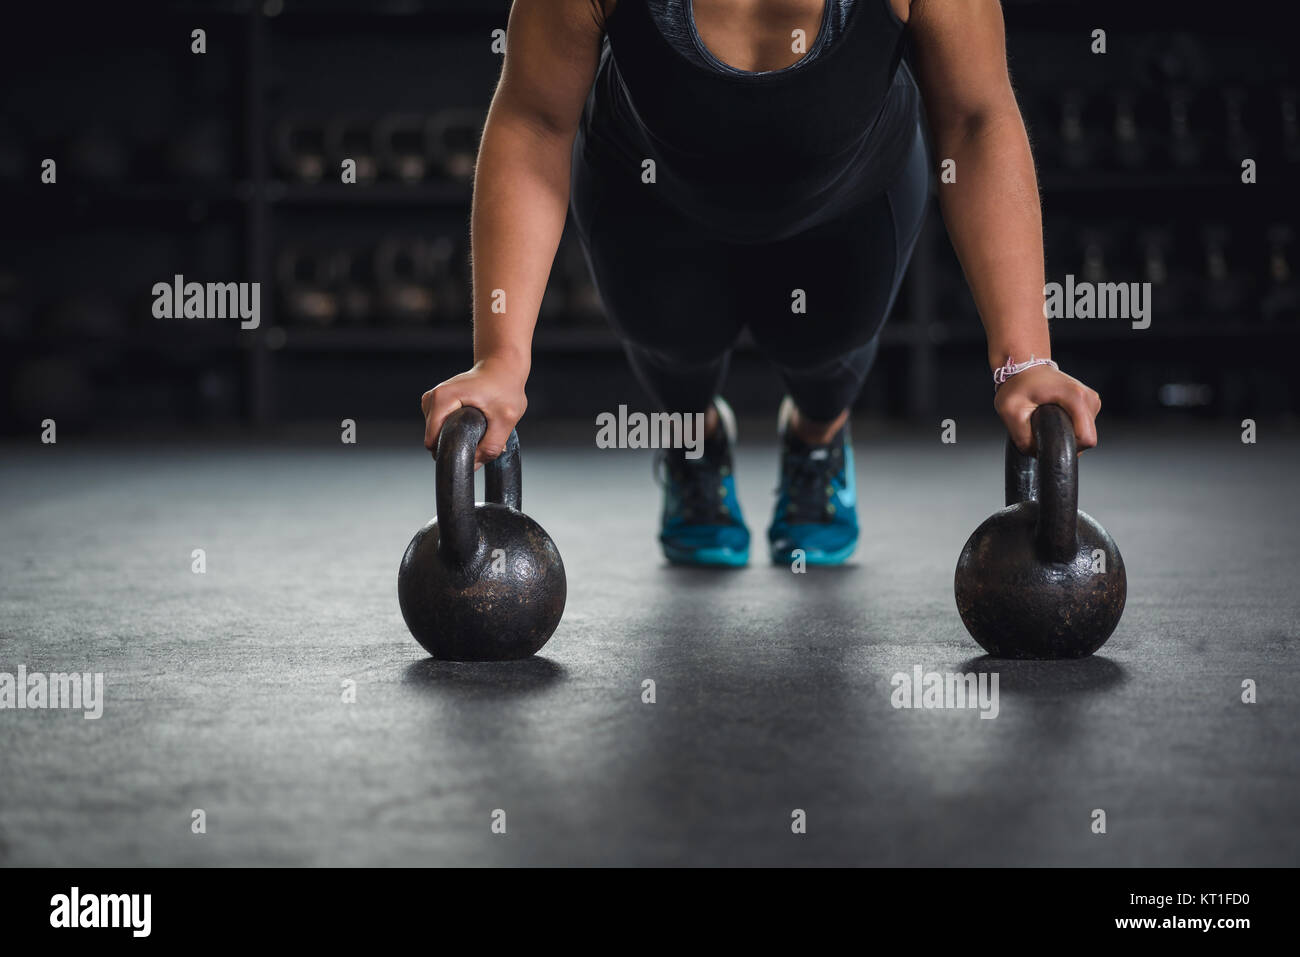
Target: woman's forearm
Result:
[521, 196]
[995, 222]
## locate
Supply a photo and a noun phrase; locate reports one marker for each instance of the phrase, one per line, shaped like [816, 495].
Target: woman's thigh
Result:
[670, 288]
[828, 291]
[664, 287]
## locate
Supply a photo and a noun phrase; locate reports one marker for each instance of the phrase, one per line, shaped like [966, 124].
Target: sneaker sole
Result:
[707, 557]
[815, 556]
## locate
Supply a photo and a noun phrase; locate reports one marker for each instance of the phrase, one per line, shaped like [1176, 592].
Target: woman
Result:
[754, 164]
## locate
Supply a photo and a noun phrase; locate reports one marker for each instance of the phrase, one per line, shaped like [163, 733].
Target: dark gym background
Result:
[223, 688]
[223, 167]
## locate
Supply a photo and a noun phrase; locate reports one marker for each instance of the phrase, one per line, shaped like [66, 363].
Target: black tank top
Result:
[752, 156]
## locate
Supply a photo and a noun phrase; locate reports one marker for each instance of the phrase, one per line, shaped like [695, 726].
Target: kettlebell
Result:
[298, 144]
[354, 281]
[305, 283]
[350, 137]
[405, 270]
[403, 144]
[1040, 579]
[480, 582]
[454, 139]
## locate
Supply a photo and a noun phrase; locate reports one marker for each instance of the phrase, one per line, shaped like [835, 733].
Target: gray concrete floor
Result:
[773, 690]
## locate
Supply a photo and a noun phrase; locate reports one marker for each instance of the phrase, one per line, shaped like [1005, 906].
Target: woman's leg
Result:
[844, 276]
[669, 294]
[667, 291]
[849, 271]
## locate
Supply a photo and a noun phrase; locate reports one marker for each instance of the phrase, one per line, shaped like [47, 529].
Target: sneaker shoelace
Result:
[809, 483]
[697, 487]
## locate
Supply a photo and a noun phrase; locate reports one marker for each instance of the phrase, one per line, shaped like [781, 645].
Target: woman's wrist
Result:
[1017, 335]
[1012, 368]
[1016, 352]
[508, 359]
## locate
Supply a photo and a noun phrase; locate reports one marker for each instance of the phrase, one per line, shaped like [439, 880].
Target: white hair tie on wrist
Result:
[1004, 373]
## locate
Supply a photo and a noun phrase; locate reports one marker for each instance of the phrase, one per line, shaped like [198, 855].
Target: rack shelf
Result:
[434, 194]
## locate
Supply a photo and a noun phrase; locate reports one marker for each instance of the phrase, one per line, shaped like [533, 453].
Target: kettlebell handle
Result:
[1051, 479]
[459, 538]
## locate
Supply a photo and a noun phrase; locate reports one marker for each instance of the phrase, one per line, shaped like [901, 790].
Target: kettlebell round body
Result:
[502, 605]
[1015, 605]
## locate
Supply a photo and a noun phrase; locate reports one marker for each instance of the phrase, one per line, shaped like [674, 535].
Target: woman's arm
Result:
[521, 197]
[992, 210]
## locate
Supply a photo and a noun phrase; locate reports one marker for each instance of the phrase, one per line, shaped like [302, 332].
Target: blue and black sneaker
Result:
[816, 504]
[702, 523]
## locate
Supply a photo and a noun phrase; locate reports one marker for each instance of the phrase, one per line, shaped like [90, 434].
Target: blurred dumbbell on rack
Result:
[1096, 245]
[1225, 286]
[1164, 268]
[406, 273]
[298, 148]
[306, 286]
[454, 138]
[1079, 132]
[351, 137]
[441, 252]
[1184, 125]
[1281, 298]
[353, 273]
[1133, 129]
[1239, 142]
[403, 142]
[453, 284]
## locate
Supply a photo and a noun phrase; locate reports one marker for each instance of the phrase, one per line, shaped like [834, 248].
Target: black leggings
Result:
[679, 298]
